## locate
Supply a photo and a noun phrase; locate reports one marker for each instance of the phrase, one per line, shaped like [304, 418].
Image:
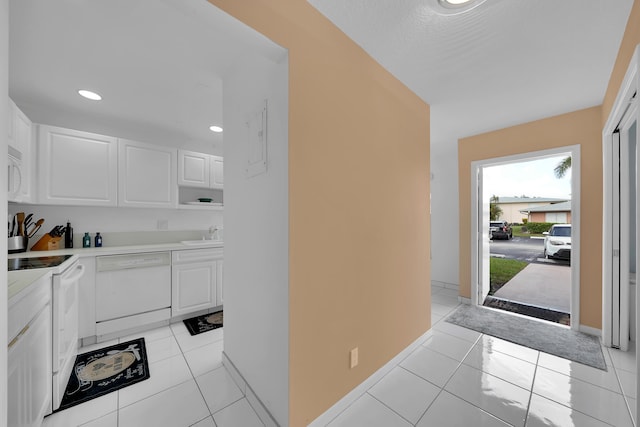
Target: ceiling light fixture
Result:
[216, 129]
[453, 7]
[90, 95]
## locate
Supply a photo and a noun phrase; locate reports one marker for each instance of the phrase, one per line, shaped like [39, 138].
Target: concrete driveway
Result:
[541, 285]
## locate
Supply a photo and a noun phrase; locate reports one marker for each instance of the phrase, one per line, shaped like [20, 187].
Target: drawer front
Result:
[196, 255]
[23, 310]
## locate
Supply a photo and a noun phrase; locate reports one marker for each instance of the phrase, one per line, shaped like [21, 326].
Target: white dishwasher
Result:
[132, 290]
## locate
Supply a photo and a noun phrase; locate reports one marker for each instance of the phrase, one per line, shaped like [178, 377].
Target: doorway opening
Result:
[527, 227]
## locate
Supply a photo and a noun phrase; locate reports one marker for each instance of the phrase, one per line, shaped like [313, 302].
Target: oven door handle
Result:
[74, 277]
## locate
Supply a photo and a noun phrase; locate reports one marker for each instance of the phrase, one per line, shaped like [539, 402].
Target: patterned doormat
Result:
[108, 369]
[206, 322]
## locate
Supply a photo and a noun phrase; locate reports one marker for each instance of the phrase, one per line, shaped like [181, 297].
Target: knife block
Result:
[47, 243]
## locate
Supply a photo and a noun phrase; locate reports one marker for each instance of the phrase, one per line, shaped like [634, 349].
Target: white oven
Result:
[65, 325]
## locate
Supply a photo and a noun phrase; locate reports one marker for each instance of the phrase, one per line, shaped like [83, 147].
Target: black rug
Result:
[108, 369]
[553, 339]
[206, 322]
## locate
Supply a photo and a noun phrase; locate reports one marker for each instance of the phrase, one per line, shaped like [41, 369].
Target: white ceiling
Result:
[504, 62]
[157, 63]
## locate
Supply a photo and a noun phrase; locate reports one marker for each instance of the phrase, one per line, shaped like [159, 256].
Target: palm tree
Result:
[563, 167]
[494, 210]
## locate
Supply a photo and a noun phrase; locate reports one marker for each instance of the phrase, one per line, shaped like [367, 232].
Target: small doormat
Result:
[556, 340]
[206, 322]
[528, 310]
[108, 369]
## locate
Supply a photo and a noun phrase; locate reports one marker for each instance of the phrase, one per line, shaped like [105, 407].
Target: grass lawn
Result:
[517, 232]
[502, 270]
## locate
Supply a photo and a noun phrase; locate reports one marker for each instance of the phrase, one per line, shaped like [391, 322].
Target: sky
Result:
[533, 178]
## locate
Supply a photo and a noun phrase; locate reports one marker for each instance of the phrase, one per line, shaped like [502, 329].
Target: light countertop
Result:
[19, 280]
[124, 249]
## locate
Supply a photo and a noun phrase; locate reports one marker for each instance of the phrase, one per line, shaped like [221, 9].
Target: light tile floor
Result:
[458, 377]
[188, 386]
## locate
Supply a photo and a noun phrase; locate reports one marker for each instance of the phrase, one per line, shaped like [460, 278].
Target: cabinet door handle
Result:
[17, 338]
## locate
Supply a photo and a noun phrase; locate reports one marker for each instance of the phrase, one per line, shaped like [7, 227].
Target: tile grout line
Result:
[198, 385]
[192, 375]
[624, 396]
[442, 389]
[387, 406]
[533, 381]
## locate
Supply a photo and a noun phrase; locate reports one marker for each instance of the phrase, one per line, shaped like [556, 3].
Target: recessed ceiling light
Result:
[216, 129]
[453, 7]
[90, 95]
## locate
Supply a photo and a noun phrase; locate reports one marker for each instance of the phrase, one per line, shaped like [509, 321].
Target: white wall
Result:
[256, 330]
[4, 87]
[103, 219]
[444, 200]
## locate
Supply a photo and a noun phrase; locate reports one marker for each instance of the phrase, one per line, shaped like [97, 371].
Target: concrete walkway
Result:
[541, 285]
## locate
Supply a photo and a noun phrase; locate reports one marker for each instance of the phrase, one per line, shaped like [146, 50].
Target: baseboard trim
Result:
[445, 285]
[362, 388]
[590, 331]
[464, 300]
[255, 402]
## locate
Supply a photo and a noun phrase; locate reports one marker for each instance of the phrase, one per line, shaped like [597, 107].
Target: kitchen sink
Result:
[201, 242]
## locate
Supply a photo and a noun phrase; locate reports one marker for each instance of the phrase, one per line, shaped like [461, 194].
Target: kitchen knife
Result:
[20, 219]
[36, 227]
[27, 221]
[13, 226]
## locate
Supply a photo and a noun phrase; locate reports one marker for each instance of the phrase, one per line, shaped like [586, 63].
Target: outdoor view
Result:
[530, 234]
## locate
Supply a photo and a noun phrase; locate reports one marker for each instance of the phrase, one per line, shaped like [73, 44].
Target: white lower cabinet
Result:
[29, 357]
[196, 280]
[220, 271]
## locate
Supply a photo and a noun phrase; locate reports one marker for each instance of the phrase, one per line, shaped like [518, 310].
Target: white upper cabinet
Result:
[193, 169]
[216, 176]
[22, 156]
[23, 137]
[199, 170]
[19, 129]
[77, 168]
[147, 175]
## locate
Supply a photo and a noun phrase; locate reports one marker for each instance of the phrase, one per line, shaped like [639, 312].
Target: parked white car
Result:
[557, 242]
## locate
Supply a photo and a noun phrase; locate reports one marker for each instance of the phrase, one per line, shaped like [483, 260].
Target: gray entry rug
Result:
[559, 341]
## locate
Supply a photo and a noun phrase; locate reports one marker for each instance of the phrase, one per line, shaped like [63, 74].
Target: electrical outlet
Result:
[353, 358]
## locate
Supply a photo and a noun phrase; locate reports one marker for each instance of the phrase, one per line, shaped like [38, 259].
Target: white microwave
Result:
[14, 170]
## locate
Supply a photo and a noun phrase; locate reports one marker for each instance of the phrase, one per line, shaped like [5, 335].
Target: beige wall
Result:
[511, 211]
[578, 128]
[358, 206]
[541, 217]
